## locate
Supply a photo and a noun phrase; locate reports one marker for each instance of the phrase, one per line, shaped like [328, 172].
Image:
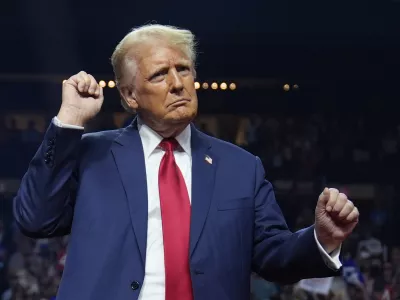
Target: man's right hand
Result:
[82, 98]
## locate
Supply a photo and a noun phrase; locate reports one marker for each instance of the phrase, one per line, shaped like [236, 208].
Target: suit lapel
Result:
[204, 165]
[128, 154]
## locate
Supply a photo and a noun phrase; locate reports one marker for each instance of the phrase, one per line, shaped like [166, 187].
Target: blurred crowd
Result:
[291, 146]
[371, 270]
[317, 148]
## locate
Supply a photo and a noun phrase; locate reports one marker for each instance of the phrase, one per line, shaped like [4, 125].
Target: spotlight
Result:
[102, 83]
[111, 84]
[223, 86]
[196, 85]
[232, 86]
[214, 85]
[205, 85]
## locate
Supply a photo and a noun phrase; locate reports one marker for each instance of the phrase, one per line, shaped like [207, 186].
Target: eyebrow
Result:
[165, 67]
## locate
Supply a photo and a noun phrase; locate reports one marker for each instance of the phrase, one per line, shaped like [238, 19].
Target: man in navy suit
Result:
[159, 210]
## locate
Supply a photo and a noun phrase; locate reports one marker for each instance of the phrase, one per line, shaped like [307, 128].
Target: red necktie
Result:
[175, 214]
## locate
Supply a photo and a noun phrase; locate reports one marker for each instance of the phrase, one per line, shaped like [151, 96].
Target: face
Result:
[163, 92]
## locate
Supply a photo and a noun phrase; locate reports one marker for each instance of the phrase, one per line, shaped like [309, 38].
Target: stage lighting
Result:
[286, 87]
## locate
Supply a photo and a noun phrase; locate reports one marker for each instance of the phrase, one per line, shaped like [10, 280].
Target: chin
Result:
[182, 115]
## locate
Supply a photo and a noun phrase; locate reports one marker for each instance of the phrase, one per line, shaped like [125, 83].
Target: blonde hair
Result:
[182, 38]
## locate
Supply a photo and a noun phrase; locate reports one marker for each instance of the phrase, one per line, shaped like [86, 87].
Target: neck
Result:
[165, 130]
[170, 132]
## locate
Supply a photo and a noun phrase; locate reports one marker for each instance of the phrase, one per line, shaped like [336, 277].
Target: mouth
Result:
[179, 102]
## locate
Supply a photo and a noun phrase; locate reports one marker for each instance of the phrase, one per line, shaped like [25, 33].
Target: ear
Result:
[129, 96]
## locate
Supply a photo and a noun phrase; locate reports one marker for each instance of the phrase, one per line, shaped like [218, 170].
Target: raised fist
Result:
[335, 218]
[82, 98]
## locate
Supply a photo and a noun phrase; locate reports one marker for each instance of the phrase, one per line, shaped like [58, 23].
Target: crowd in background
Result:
[298, 146]
[318, 148]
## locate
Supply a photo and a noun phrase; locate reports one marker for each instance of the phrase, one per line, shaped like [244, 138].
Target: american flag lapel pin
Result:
[208, 159]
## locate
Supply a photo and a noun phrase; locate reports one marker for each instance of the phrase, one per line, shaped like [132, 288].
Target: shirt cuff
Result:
[331, 260]
[58, 123]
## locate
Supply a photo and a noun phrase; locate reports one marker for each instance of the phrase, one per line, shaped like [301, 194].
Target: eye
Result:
[158, 76]
[184, 70]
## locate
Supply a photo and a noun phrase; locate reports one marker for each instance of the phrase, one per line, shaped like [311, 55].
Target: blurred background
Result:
[311, 87]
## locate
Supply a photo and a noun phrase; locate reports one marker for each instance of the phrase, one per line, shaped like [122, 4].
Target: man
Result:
[159, 210]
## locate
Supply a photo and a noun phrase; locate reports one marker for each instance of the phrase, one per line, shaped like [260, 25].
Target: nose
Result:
[176, 82]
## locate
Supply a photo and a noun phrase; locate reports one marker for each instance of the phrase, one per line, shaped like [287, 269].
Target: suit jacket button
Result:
[135, 285]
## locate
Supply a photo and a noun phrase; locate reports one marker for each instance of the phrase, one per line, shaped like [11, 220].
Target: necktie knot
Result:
[169, 145]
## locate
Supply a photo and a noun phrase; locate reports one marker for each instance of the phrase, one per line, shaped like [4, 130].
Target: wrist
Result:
[330, 247]
[327, 243]
[71, 116]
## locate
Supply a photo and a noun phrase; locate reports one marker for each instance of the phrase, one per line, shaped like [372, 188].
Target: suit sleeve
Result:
[278, 254]
[44, 204]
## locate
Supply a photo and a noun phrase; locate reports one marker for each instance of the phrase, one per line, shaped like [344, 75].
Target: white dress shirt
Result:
[154, 281]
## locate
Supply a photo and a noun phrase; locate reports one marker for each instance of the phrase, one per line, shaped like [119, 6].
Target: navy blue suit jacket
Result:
[93, 187]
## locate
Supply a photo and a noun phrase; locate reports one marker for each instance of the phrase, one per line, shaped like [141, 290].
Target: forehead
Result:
[155, 54]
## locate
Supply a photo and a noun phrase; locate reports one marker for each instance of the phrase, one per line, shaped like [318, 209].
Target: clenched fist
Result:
[335, 218]
[82, 98]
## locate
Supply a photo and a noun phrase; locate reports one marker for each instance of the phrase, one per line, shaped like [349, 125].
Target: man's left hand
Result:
[335, 219]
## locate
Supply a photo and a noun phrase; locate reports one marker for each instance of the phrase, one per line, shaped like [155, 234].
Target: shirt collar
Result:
[151, 139]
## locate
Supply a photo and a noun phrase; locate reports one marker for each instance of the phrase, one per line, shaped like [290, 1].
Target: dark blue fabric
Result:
[94, 187]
